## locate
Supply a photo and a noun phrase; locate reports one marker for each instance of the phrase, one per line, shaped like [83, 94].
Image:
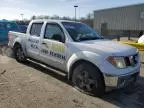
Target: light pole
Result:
[75, 10]
[22, 15]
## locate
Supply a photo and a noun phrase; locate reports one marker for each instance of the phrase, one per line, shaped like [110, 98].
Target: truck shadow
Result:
[128, 98]
[57, 75]
[125, 98]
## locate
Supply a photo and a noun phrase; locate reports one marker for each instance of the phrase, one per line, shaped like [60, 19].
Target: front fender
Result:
[91, 57]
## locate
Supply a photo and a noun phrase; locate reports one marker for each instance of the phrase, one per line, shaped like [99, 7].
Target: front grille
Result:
[127, 80]
[131, 60]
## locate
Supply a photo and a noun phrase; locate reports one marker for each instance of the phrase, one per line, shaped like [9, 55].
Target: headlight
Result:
[118, 62]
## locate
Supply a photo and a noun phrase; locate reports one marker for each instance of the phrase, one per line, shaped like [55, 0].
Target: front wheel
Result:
[19, 54]
[87, 78]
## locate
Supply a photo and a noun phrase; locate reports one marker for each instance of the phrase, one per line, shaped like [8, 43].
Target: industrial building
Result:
[122, 21]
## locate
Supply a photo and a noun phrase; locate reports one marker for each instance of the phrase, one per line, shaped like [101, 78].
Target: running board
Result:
[48, 67]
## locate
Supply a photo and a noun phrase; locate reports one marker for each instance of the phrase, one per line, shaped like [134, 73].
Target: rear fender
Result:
[22, 43]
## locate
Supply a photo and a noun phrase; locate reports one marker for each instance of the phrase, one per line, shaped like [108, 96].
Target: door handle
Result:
[44, 43]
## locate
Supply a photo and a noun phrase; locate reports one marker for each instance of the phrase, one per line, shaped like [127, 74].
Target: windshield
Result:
[80, 31]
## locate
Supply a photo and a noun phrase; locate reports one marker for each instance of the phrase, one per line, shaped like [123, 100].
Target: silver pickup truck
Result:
[92, 63]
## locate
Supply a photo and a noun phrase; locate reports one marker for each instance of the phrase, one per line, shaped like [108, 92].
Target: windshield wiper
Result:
[88, 38]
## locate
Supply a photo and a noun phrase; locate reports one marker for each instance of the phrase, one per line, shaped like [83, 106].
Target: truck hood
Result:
[107, 47]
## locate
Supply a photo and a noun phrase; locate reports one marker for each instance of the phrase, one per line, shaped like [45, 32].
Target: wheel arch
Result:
[76, 63]
[16, 44]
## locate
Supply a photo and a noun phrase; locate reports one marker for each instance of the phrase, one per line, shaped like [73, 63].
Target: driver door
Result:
[53, 52]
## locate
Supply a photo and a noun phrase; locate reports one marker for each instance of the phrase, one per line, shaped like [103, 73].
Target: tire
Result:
[88, 79]
[19, 54]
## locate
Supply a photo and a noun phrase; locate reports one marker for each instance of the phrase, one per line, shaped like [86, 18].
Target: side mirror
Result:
[58, 37]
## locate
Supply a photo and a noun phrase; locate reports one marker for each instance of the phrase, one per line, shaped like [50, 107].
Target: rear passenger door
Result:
[33, 42]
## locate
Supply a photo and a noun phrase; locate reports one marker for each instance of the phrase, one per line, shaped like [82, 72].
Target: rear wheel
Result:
[19, 54]
[87, 78]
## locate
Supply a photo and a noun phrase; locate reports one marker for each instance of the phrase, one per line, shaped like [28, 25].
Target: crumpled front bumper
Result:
[117, 82]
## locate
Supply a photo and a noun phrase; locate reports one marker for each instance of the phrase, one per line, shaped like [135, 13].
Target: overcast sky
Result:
[11, 9]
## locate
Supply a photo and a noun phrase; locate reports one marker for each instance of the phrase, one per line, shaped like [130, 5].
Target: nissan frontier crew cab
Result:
[92, 63]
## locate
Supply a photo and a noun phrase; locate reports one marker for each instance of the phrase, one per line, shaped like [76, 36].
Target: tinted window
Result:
[12, 27]
[9, 26]
[23, 28]
[36, 29]
[52, 29]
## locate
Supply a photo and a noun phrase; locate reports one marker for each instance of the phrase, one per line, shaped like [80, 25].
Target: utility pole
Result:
[75, 6]
[22, 16]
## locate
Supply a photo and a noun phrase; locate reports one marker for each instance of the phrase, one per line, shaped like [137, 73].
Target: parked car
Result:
[5, 27]
[92, 63]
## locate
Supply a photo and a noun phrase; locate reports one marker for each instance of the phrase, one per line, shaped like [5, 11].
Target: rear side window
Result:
[36, 29]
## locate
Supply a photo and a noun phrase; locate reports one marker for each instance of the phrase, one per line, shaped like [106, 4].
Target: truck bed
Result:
[13, 35]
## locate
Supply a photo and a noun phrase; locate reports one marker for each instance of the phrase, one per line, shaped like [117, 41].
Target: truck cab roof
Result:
[51, 20]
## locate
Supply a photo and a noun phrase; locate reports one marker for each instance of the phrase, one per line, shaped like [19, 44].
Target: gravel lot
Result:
[33, 86]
